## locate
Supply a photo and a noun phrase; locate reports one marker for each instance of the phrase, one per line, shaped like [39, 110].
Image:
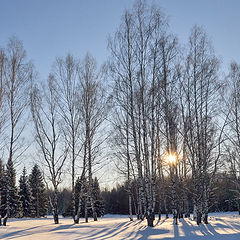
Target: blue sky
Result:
[53, 28]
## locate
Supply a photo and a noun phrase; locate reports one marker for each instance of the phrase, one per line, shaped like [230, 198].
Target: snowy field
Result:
[222, 226]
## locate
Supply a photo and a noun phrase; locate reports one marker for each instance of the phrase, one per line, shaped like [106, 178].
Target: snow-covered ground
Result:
[222, 226]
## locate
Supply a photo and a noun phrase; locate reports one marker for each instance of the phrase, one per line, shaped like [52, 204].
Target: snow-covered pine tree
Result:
[4, 190]
[98, 201]
[37, 188]
[25, 194]
[12, 200]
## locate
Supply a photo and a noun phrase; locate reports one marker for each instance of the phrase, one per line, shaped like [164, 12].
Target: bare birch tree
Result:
[66, 75]
[93, 108]
[232, 132]
[48, 135]
[16, 75]
[200, 87]
[2, 90]
[135, 64]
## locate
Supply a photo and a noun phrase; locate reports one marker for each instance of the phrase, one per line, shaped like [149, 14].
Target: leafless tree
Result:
[2, 90]
[93, 108]
[232, 131]
[48, 135]
[16, 74]
[135, 63]
[66, 75]
[120, 142]
[199, 95]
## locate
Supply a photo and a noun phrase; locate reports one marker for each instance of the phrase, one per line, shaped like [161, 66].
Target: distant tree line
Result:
[223, 197]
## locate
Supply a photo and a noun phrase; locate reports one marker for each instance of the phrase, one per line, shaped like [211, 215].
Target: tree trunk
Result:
[165, 206]
[77, 217]
[5, 220]
[150, 218]
[187, 213]
[175, 215]
[76, 220]
[56, 220]
[93, 208]
[205, 204]
[199, 215]
[74, 214]
[159, 214]
[55, 216]
[130, 206]
[54, 206]
[86, 211]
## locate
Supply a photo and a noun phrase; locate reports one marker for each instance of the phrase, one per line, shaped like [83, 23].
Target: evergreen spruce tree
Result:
[25, 195]
[98, 201]
[4, 190]
[12, 200]
[37, 188]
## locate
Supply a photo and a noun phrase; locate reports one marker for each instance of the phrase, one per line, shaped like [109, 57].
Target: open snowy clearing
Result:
[224, 226]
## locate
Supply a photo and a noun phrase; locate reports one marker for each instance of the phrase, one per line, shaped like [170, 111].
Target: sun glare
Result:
[171, 158]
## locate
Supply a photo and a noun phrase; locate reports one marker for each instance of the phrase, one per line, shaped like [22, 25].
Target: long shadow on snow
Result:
[207, 231]
[147, 232]
[108, 232]
[159, 221]
[233, 225]
[21, 233]
[62, 227]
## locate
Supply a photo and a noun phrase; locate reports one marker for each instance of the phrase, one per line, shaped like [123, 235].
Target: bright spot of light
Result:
[171, 158]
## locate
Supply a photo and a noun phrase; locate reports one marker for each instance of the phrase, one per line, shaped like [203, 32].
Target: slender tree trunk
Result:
[159, 210]
[5, 218]
[165, 206]
[174, 197]
[128, 169]
[130, 206]
[74, 215]
[55, 208]
[205, 205]
[76, 220]
[86, 210]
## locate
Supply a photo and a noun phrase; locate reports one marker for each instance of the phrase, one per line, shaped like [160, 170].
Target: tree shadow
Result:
[221, 230]
[160, 221]
[21, 233]
[176, 231]
[207, 230]
[150, 231]
[62, 227]
[142, 232]
[108, 232]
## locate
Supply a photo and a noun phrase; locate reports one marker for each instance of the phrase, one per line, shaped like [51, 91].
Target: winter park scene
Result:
[119, 119]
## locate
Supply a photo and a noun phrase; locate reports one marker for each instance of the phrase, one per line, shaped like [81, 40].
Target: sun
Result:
[171, 158]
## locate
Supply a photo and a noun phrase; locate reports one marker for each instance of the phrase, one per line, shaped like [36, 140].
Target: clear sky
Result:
[50, 28]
